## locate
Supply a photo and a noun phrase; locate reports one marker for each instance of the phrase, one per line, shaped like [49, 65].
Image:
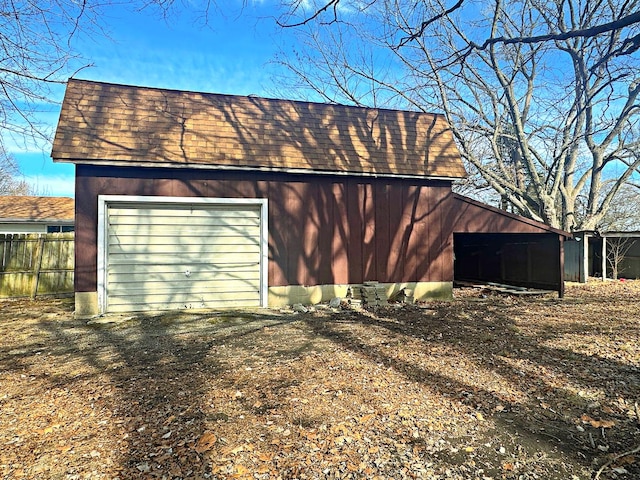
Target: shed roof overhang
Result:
[472, 216]
[608, 233]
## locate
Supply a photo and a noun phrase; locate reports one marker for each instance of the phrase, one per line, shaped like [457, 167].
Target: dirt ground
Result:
[481, 387]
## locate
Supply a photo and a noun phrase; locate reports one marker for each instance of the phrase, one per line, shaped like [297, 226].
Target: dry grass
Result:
[494, 387]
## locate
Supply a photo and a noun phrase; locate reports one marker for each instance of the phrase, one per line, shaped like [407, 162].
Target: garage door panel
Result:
[184, 259]
[208, 299]
[217, 215]
[169, 210]
[151, 303]
[183, 230]
[162, 287]
[248, 237]
[220, 237]
[150, 226]
[169, 288]
[187, 256]
[204, 271]
[204, 278]
[186, 248]
[205, 300]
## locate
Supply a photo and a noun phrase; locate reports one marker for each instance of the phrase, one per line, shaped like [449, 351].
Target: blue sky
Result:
[231, 54]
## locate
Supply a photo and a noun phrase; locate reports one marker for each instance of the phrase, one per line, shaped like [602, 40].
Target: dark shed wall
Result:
[528, 260]
[322, 229]
[626, 249]
[573, 261]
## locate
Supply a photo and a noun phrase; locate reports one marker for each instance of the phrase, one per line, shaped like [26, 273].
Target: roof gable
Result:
[125, 125]
[36, 209]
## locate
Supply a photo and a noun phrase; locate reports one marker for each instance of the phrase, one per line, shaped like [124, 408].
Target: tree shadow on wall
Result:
[324, 228]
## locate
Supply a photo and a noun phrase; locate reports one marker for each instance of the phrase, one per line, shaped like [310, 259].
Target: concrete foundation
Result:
[87, 302]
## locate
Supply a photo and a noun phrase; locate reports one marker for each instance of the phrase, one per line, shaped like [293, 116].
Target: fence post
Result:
[38, 266]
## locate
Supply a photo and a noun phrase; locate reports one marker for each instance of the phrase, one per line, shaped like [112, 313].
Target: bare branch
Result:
[333, 4]
[425, 24]
[549, 121]
[629, 46]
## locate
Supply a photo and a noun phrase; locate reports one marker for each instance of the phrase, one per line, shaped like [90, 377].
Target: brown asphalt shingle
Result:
[116, 124]
[22, 208]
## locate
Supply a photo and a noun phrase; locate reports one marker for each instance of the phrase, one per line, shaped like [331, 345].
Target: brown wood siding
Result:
[397, 234]
[382, 223]
[322, 229]
[341, 230]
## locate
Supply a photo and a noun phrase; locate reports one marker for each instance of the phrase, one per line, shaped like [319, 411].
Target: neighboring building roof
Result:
[137, 126]
[610, 233]
[619, 233]
[17, 209]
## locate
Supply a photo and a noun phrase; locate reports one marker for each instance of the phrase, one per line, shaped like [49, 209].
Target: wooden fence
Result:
[36, 264]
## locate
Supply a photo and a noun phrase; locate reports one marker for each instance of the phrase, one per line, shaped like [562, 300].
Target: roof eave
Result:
[45, 221]
[297, 171]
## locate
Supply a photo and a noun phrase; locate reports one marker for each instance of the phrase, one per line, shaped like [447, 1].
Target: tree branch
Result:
[628, 46]
[428, 22]
[320, 11]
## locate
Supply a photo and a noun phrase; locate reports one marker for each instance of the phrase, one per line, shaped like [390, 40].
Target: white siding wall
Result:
[22, 228]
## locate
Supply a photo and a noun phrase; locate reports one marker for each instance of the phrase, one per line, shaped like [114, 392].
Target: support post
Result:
[604, 258]
[584, 275]
[561, 266]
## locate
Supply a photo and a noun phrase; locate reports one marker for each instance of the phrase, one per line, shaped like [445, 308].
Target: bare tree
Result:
[11, 182]
[624, 213]
[617, 248]
[542, 95]
[36, 38]
[37, 41]
[298, 13]
[37, 44]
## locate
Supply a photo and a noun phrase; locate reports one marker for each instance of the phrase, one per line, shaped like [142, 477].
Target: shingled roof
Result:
[125, 125]
[21, 208]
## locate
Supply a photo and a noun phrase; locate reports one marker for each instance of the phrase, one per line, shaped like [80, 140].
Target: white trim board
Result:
[104, 201]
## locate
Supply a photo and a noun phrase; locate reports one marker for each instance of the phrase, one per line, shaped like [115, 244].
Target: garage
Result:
[180, 253]
[355, 195]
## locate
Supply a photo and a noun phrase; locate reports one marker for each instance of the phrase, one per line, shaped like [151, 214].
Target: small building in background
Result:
[27, 214]
[602, 255]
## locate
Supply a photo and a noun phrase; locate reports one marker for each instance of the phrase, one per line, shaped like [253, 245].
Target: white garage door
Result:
[186, 255]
